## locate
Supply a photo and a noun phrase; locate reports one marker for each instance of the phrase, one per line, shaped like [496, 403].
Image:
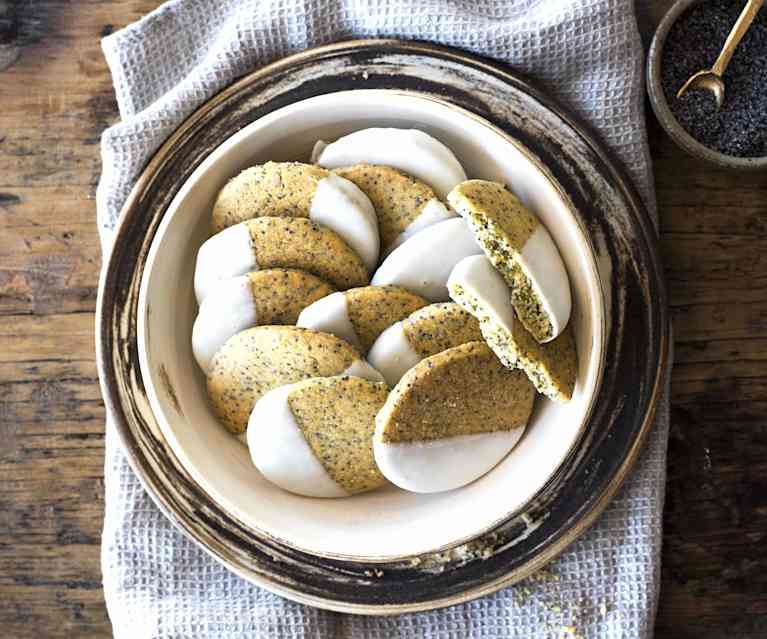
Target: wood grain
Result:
[56, 98]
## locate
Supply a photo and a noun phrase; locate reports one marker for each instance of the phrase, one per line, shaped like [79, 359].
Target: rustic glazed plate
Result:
[633, 344]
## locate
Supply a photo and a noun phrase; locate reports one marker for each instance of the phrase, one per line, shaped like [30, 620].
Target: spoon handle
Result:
[744, 21]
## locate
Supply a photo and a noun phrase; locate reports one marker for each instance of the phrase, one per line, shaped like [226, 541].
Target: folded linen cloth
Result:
[157, 583]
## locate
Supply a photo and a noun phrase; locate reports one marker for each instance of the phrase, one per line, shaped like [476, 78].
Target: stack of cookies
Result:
[377, 317]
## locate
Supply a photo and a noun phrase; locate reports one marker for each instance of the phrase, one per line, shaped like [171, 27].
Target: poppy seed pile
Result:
[739, 128]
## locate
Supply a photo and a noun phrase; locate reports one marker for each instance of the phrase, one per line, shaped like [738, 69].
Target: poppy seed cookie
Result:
[315, 437]
[275, 189]
[480, 289]
[450, 419]
[409, 150]
[277, 242]
[423, 262]
[428, 331]
[293, 189]
[273, 296]
[522, 250]
[258, 359]
[360, 315]
[404, 205]
[552, 367]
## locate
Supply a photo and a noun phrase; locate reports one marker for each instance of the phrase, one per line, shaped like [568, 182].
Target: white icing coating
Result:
[477, 275]
[433, 212]
[541, 261]
[442, 464]
[360, 368]
[423, 263]
[330, 314]
[280, 452]
[340, 205]
[409, 150]
[317, 149]
[226, 311]
[226, 254]
[392, 354]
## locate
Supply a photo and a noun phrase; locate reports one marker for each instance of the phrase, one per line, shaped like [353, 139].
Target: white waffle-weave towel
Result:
[157, 583]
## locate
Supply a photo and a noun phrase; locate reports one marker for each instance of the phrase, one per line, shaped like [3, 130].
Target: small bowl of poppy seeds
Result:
[688, 39]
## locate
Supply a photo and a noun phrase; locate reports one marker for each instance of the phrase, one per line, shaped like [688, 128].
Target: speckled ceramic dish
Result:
[389, 551]
[388, 524]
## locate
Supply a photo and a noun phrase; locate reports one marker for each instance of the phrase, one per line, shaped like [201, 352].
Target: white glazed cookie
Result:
[423, 262]
[450, 419]
[404, 205]
[315, 437]
[520, 247]
[293, 189]
[409, 150]
[273, 296]
[277, 242]
[552, 367]
[427, 331]
[259, 359]
[360, 315]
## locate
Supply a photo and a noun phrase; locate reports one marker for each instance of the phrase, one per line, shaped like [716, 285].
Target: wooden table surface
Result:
[55, 100]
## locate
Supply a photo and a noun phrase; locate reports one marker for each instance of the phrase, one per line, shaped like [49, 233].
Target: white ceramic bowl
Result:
[389, 523]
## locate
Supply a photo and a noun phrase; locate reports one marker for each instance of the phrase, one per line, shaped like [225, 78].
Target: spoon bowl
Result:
[706, 80]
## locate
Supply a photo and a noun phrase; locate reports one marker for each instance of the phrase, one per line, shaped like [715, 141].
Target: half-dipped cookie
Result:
[522, 250]
[552, 367]
[277, 242]
[450, 419]
[427, 331]
[360, 315]
[258, 359]
[273, 296]
[293, 189]
[315, 437]
[409, 150]
[423, 262]
[404, 205]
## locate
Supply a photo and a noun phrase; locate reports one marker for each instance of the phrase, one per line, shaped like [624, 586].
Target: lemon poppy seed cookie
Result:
[277, 189]
[480, 289]
[277, 242]
[404, 205]
[450, 419]
[437, 327]
[258, 359]
[272, 296]
[293, 189]
[282, 293]
[552, 367]
[520, 247]
[428, 331]
[360, 315]
[409, 150]
[315, 437]
[423, 262]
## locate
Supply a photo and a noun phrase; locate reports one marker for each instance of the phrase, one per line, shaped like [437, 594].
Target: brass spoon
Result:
[711, 79]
